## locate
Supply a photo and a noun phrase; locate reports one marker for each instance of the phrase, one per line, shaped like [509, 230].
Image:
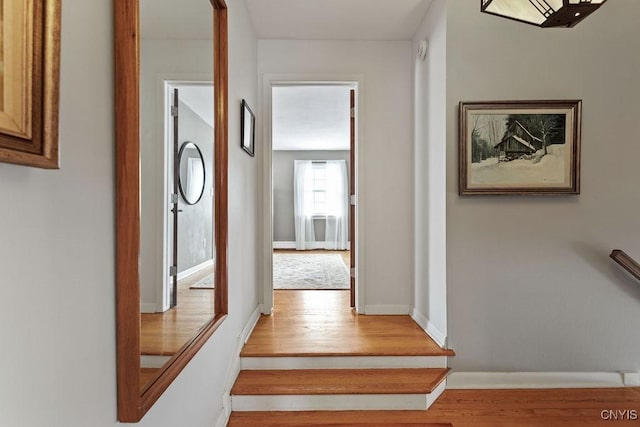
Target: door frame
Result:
[166, 84]
[265, 258]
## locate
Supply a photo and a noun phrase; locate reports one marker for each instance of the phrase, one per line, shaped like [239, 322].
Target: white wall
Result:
[387, 144]
[57, 251]
[430, 289]
[530, 284]
[195, 222]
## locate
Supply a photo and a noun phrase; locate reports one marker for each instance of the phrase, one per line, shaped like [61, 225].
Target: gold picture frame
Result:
[29, 82]
[519, 147]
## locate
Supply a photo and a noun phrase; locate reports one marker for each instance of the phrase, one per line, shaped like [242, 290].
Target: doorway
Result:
[188, 192]
[311, 152]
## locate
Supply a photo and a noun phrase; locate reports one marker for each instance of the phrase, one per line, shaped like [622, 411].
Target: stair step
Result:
[327, 418]
[338, 381]
[337, 389]
[350, 362]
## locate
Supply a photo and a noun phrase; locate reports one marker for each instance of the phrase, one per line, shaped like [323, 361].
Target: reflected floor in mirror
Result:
[163, 334]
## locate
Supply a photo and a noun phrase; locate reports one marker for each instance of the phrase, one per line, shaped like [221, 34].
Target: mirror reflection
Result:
[177, 247]
[192, 173]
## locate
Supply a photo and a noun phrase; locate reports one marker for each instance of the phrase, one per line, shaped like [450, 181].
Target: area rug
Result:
[206, 283]
[309, 271]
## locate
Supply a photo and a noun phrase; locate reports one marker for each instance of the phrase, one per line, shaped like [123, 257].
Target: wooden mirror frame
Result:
[132, 403]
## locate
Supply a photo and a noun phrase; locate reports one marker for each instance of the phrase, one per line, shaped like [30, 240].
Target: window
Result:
[317, 187]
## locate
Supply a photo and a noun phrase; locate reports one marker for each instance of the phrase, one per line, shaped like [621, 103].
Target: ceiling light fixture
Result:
[543, 13]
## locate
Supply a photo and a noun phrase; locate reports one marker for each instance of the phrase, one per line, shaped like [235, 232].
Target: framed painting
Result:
[29, 78]
[519, 147]
[248, 129]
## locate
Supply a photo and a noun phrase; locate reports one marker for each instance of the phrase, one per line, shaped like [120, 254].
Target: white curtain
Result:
[303, 205]
[334, 210]
[337, 197]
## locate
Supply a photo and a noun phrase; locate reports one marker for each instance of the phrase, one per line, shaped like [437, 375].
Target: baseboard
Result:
[194, 269]
[223, 418]
[631, 379]
[147, 307]
[388, 309]
[292, 245]
[533, 380]
[263, 310]
[436, 334]
[225, 414]
[234, 369]
[284, 245]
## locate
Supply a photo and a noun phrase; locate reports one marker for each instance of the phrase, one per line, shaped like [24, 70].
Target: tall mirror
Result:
[171, 168]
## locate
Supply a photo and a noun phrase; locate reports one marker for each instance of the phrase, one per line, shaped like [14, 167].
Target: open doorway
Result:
[313, 144]
[189, 234]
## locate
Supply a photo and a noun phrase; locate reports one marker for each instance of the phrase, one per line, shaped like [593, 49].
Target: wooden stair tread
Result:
[331, 418]
[338, 381]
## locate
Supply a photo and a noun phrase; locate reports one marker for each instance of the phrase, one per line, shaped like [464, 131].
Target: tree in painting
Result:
[485, 135]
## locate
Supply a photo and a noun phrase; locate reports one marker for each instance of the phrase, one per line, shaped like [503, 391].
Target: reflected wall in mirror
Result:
[171, 87]
[192, 173]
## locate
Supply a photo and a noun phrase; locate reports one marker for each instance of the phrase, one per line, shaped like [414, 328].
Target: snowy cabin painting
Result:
[517, 142]
[519, 147]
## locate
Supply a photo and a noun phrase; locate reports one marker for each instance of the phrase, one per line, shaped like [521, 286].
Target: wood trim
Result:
[127, 208]
[132, 405]
[221, 150]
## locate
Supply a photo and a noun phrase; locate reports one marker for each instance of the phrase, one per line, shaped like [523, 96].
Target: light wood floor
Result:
[166, 333]
[320, 323]
[474, 408]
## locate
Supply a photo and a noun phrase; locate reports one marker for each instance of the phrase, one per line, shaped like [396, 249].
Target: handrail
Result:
[626, 262]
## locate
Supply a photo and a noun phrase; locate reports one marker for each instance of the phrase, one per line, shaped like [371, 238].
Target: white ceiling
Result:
[289, 19]
[337, 19]
[311, 118]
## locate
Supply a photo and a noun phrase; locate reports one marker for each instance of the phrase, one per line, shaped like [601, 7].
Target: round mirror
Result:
[192, 173]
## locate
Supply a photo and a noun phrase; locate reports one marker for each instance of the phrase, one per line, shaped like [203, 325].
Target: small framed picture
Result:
[248, 129]
[519, 147]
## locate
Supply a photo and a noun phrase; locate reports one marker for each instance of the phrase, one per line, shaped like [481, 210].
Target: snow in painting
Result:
[517, 150]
